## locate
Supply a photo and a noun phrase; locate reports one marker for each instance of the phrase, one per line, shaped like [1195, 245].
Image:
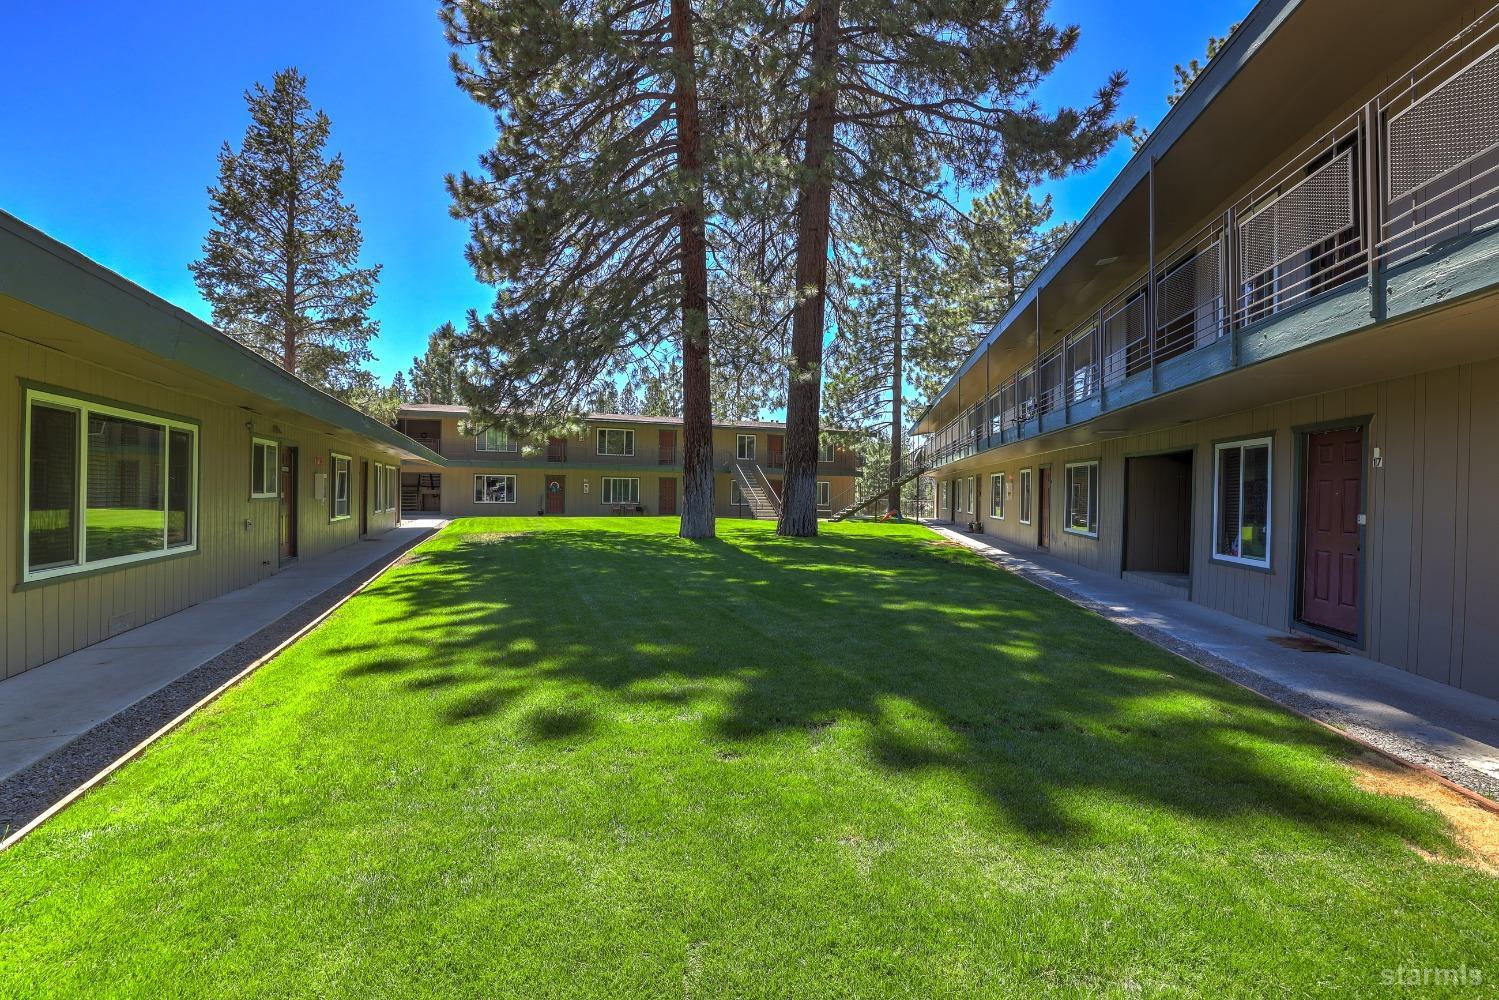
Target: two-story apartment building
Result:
[613, 464]
[156, 462]
[1264, 371]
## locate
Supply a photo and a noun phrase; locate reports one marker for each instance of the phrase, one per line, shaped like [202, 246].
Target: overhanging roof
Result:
[45, 274]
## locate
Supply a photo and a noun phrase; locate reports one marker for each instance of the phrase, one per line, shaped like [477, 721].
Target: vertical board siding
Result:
[42, 622]
[1430, 587]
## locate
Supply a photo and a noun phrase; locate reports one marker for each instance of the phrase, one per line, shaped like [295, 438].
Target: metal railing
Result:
[1415, 169]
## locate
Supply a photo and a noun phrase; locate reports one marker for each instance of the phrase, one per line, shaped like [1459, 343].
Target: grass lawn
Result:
[585, 758]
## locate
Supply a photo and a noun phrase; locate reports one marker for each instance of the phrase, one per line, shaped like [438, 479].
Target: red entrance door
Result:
[777, 448]
[556, 494]
[668, 501]
[1330, 548]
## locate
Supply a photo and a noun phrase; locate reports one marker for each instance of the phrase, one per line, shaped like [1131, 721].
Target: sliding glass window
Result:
[104, 485]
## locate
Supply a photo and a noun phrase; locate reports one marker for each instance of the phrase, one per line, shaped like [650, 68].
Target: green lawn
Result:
[566, 758]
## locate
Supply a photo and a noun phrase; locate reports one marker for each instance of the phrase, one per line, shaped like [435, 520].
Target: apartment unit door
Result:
[1331, 562]
[556, 494]
[668, 498]
[287, 516]
[1043, 508]
[364, 497]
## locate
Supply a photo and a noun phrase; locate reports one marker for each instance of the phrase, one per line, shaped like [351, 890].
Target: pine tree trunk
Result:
[896, 381]
[804, 390]
[697, 404]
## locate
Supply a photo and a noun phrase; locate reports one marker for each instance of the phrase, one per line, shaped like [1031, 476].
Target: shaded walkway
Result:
[50, 706]
[1453, 732]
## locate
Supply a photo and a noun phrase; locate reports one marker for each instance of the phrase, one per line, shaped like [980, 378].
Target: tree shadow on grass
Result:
[950, 664]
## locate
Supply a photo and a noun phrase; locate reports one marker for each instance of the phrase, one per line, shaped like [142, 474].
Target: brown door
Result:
[556, 494]
[364, 497]
[287, 531]
[1043, 509]
[1330, 547]
[777, 448]
[667, 445]
[668, 504]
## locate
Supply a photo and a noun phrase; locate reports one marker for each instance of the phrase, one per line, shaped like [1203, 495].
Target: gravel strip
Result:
[1407, 750]
[31, 791]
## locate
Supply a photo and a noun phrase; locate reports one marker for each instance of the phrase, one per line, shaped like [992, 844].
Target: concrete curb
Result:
[100, 776]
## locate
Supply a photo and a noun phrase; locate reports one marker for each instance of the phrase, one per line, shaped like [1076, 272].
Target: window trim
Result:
[827, 452]
[997, 495]
[598, 442]
[83, 405]
[1093, 498]
[377, 495]
[392, 488]
[511, 445]
[514, 492]
[603, 490]
[1268, 442]
[333, 459]
[736, 494]
[739, 454]
[821, 503]
[1027, 502]
[255, 442]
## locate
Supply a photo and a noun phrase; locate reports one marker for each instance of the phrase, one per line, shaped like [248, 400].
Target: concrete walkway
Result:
[1454, 732]
[49, 706]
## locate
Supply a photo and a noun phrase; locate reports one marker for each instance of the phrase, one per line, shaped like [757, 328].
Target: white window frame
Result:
[997, 501]
[1067, 473]
[273, 475]
[739, 449]
[1268, 444]
[824, 494]
[736, 494]
[605, 497]
[828, 451]
[1027, 501]
[480, 476]
[392, 487]
[601, 436]
[973, 489]
[83, 408]
[484, 442]
[334, 458]
[377, 495]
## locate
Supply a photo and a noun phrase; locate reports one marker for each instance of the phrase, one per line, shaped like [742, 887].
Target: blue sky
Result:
[113, 114]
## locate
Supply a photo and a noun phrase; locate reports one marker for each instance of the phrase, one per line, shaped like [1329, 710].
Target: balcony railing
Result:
[1417, 167]
[667, 455]
[557, 450]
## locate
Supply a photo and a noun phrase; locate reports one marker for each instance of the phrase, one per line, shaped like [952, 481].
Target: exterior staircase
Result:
[911, 466]
[754, 486]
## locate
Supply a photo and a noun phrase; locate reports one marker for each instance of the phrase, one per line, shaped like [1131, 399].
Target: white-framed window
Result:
[342, 483]
[1081, 479]
[744, 447]
[736, 495]
[970, 487]
[827, 451]
[104, 485]
[824, 493]
[392, 486]
[384, 493]
[494, 439]
[997, 495]
[616, 490]
[615, 441]
[944, 496]
[494, 489]
[265, 469]
[377, 492]
[1241, 502]
[1025, 496]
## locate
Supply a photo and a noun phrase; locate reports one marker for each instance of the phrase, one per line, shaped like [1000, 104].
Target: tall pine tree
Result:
[889, 91]
[280, 267]
[437, 376]
[589, 212]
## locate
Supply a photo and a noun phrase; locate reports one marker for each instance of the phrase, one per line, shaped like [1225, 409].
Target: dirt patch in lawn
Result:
[493, 537]
[1475, 829]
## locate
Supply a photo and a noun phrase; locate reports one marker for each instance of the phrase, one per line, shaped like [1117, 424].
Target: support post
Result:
[1231, 283]
[1150, 290]
[1372, 199]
